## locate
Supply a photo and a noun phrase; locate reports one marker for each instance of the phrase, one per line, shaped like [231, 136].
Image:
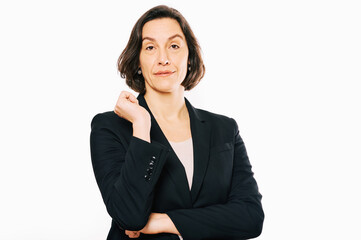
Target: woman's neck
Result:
[166, 106]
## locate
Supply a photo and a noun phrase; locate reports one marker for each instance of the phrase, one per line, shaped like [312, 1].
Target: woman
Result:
[165, 169]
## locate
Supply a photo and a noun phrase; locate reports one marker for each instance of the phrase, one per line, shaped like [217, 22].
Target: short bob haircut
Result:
[128, 61]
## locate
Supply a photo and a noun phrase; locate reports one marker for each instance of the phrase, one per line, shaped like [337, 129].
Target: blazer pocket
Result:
[221, 147]
[222, 154]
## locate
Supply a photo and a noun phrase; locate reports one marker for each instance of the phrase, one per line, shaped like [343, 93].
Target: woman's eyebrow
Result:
[170, 38]
[148, 38]
[174, 36]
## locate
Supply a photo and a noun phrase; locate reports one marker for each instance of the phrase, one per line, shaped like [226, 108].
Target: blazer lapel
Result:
[201, 133]
[201, 136]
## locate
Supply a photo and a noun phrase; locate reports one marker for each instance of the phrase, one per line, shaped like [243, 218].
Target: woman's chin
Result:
[168, 88]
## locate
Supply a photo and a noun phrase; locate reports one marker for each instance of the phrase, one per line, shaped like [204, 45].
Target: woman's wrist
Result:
[141, 129]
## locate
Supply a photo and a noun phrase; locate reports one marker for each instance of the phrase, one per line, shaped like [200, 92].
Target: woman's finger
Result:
[129, 96]
[133, 99]
[132, 234]
[125, 94]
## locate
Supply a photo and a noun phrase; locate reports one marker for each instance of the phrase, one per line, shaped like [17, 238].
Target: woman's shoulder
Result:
[217, 119]
[109, 119]
[104, 117]
[213, 116]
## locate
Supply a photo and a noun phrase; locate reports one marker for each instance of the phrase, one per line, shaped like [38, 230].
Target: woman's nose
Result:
[164, 62]
[163, 58]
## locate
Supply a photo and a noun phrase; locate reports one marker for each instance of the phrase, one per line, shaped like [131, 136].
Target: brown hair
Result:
[128, 61]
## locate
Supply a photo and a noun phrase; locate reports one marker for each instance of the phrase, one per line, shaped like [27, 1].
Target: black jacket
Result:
[136, 178]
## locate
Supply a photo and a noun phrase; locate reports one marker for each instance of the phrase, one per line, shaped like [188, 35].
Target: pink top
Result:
[184, 151]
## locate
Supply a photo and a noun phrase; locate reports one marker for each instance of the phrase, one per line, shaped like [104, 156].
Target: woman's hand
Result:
[127, 107]
[157, 223]
[132, 234]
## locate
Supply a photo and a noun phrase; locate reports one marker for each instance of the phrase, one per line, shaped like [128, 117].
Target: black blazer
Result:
[136, 177]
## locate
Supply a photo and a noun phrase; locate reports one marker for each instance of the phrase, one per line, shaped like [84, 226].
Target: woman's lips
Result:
[163, 73]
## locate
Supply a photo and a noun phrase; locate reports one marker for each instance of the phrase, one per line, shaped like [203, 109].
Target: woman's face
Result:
[164, 55]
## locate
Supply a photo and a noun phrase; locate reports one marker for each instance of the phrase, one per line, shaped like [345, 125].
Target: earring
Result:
[139, 71]
[189, 68]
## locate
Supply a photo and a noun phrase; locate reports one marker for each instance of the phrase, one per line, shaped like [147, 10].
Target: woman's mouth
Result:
[163, 73]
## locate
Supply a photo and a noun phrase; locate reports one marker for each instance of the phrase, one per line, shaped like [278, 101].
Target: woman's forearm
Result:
[159, 223]
[168, 225]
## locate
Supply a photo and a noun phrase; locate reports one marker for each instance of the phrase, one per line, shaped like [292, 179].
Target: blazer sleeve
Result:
[126, 175]
[241, 217]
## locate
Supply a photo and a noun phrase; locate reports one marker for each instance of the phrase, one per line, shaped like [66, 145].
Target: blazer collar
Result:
[201, 136]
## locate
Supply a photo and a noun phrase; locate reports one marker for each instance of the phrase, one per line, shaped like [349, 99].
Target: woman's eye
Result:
[175, 46]
[149, 48]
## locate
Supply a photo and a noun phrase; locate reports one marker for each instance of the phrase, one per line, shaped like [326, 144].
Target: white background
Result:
[289, 72]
